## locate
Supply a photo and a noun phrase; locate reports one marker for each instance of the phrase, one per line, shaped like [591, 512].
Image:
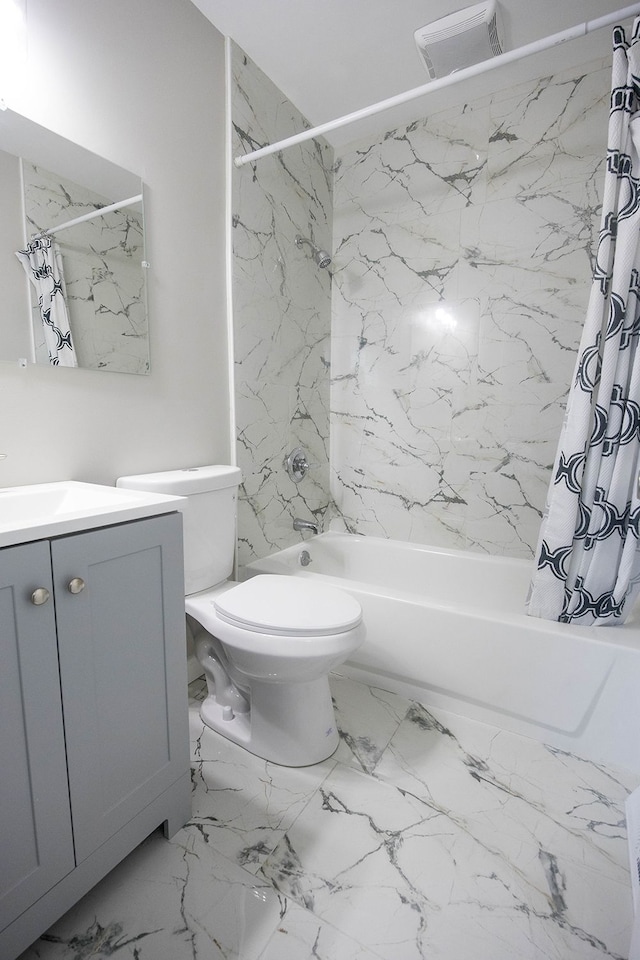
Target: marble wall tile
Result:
[427, 168]
[448, 435]
[281, 315]
[542, 134]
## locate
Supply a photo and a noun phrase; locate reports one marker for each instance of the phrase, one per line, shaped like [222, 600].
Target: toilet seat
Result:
[288, 606]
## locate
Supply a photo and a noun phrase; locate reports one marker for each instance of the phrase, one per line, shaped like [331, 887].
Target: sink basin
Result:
[41, 510]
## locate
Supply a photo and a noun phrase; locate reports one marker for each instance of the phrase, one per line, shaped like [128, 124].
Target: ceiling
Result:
[332, 57]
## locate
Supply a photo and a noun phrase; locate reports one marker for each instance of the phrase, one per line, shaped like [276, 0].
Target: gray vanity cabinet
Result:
[118, 684]
[36, 845]
[93, 711]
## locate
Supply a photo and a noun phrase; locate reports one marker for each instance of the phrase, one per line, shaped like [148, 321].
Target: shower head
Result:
[321, 257]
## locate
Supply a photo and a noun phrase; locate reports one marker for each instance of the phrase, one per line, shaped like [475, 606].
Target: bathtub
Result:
[448, 628]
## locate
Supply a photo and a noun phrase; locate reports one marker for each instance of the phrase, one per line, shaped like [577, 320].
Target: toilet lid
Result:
[283, 605]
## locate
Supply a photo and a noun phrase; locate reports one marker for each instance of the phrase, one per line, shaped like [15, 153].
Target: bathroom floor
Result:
[424, 836]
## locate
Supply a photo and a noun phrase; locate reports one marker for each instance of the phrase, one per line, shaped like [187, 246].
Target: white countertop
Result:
[38, 511]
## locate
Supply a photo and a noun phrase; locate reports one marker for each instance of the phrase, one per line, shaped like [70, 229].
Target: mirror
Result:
[92, 211]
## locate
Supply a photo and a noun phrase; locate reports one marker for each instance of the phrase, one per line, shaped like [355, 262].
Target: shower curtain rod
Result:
[89, 216]
[572, 33]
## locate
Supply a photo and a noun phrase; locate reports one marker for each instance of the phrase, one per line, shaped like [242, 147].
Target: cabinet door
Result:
[123, 670]
[36, 848]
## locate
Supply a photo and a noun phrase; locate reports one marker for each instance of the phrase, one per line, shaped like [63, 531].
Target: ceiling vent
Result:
[460, 39]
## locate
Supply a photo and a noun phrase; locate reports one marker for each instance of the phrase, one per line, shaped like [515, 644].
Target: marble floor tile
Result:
[367, 718]
[167, 901]
[505, 786]
[408, 880]
[426, 836]
[242, 806]
[302, 936]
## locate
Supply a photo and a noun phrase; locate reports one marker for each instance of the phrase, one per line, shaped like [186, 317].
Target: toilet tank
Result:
[209, 518]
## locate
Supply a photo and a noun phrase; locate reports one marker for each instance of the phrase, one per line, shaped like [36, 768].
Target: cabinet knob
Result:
[76, 585]
[39, 596]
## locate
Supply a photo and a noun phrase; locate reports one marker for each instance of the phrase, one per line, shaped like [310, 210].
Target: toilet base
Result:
[290, 724]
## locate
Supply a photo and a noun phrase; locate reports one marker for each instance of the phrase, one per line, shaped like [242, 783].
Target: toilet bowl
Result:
[266, 645]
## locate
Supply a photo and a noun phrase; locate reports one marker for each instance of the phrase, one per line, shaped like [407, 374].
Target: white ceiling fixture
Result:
[461, 39]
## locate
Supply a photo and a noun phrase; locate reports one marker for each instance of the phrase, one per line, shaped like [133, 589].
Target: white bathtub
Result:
[448, 628]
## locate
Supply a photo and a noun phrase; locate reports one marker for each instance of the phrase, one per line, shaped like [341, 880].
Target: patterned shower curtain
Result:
[43, 265]
[588, 560]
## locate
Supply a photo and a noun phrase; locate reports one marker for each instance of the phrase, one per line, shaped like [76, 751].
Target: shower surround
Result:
[449, 319]
[281, 314]
[463, 248]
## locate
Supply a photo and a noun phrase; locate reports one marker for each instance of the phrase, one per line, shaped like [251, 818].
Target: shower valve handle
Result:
[297, 464]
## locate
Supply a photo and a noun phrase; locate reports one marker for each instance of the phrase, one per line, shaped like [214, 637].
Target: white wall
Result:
[142, 84]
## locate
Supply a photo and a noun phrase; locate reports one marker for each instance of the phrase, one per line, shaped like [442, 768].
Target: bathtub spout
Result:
[301, 525]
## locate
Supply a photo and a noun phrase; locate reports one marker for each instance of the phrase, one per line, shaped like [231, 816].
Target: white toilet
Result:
[266, 645]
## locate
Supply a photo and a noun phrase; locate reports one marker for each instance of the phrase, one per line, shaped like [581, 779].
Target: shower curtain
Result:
[588, 564]
[43, 265]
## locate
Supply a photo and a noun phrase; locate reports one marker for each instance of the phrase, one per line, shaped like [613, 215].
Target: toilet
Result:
[267, 644]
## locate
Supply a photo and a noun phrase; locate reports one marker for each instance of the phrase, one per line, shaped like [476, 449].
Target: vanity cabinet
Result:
[93, 712]
[36, 845]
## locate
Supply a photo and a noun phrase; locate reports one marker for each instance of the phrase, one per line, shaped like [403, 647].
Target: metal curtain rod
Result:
[89, 216]
[572, 33]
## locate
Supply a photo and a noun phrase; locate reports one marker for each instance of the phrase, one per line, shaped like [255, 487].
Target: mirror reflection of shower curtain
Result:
[588, 561]
[42, 262]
